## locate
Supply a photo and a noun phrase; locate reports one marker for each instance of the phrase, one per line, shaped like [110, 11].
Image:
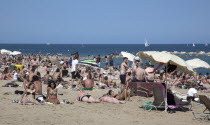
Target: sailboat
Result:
[206, 44]
[146, 43]
[193, 45]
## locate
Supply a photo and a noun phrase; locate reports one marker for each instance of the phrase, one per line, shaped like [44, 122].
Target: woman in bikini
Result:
[110, 99]
[30, 95]
[125, 95]
[84, 97]
[52, 93]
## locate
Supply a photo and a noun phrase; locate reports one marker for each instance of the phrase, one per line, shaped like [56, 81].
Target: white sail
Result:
[206, 44]
[146, 43]
[193, 45]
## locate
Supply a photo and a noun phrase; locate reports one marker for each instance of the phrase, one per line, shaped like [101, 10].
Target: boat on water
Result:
[48, 43]
[193, 44]
[146, 44]
[206, 44]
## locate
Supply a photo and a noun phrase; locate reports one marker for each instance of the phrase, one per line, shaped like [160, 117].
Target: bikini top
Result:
[30, 93]
[53, 93]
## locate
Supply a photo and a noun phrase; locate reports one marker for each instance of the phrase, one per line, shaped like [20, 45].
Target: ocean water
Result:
[105, 49]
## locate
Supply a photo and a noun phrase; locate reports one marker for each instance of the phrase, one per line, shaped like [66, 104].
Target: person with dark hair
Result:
[85, 97]
[124, 95]
[98, 60]
[57, 74]
[106, 63]
[31, 74]
[123, 69]
[30, 95]
[74, 70]
[111, 63]
[65, 72]
[47, 77]
[52, 93]
[37, 84]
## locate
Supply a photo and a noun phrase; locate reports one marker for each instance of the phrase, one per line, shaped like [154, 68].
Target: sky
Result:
[105, 21]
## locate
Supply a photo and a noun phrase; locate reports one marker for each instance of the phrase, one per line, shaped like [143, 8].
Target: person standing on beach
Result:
[70, 60]
[74, 70]
[98, 60]
[111, 63]
[139, 74]
[106, 63]
[123, 68]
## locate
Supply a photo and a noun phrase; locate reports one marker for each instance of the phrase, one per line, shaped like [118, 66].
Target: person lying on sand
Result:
[124, 95]
[110, 99]
[52, 93]
[29, 94]
[85, 97]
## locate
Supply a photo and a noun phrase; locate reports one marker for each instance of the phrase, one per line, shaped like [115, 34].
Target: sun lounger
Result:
[159, 102]
[206, 113]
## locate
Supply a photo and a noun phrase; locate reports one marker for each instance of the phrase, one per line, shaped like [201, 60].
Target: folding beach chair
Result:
[159, 98]
[206, 101]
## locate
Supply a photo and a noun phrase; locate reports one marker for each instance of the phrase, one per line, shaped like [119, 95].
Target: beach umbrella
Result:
[15, 53]
[198, 63]
[165, 57]
[4, 51]
[88, 62]
[128, 55]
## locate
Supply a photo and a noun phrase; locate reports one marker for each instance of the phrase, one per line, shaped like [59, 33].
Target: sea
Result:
[105, 49]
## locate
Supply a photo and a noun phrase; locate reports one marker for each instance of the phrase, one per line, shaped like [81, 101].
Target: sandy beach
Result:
[89, 114]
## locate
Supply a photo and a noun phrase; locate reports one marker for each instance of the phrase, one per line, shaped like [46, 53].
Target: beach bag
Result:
[149, 106]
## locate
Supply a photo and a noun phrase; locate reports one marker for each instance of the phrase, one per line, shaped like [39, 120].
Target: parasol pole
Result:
[166, 104]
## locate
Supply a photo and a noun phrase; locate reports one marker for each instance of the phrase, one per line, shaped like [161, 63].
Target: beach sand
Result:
[89, 114]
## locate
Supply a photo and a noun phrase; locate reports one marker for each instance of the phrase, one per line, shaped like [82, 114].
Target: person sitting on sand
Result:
[47, 77]
[124, 95]
[52, 93]
[65, 72]
[57, 74]
[88, 83]
[6, 75]
[31, 74]
[30, 95]
[26, 81]
[84, 97]
[192, 93]
[128, 79]
[37, 84]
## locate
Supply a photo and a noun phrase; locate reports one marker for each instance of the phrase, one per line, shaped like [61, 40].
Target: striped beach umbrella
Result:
[88, 62]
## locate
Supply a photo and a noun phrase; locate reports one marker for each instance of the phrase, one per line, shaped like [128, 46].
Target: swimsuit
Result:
[30, 93]
[81, 97]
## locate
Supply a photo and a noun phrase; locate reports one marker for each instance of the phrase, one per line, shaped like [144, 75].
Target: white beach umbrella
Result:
[128, 55]
[165, 57]
[15, 53]
[198, 63]
[4, 51]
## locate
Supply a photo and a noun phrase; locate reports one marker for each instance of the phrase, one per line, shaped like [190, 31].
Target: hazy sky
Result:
[104, 21]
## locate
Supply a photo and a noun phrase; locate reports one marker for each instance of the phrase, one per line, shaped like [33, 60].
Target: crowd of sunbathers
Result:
[25, 69]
